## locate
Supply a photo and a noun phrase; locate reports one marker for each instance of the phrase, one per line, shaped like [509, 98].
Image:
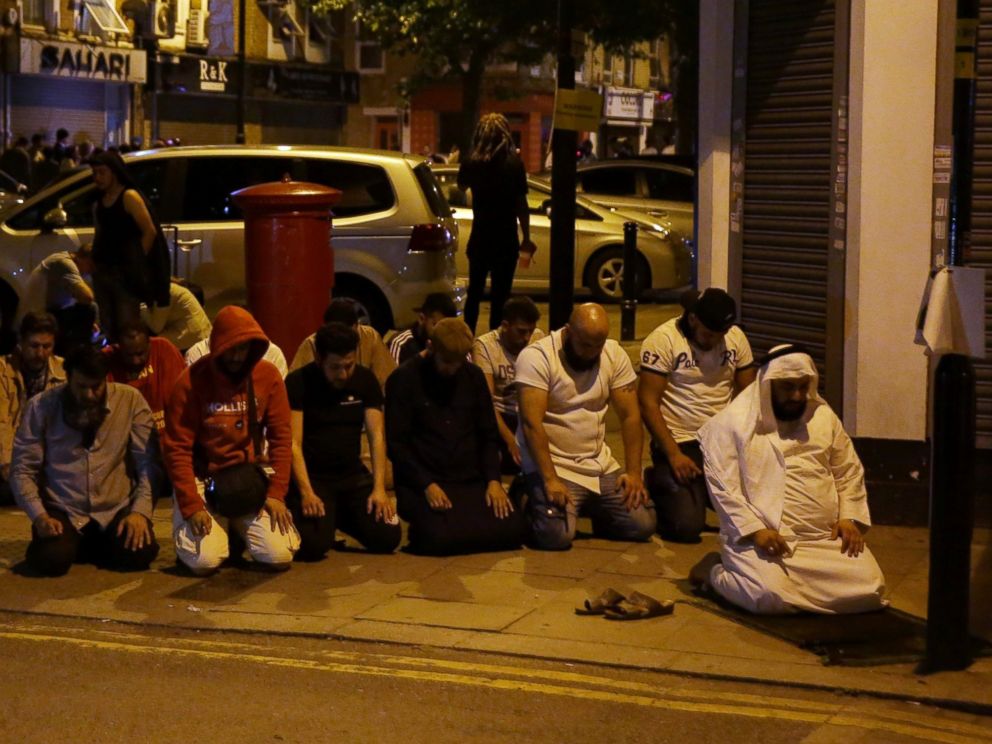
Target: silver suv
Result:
[393, 233]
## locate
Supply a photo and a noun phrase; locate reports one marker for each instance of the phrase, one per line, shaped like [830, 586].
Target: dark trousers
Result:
[469, 526]
[346, 509]
[116, 300]
[53, 556]
[501, 264]
[681, 507]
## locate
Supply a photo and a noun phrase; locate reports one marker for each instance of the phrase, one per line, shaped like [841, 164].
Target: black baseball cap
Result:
[439, 302]
[714, 308]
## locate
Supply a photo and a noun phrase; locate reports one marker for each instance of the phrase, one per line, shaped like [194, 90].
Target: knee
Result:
[384, 541]
[50, 559]
[550, 534]
[135, 560]
[273, 550]
[201, 556]
[644, 525]
[314, 542]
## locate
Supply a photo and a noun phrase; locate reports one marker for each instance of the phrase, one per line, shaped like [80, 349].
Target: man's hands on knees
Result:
[200, 523]
[497, 499]
[137, 531]
[437, 498]
[770, 543]
[47, 526]
[852, 541]
[380, 505]
[634, 492]
[279, 515]
[683, 467]
[311, 505]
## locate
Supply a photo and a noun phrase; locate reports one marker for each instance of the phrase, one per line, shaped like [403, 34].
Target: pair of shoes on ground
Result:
[613, 605]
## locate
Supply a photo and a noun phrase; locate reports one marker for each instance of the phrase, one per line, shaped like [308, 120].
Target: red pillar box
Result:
[289, 261]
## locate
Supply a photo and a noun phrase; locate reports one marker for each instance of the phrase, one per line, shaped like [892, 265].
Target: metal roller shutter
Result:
[789, 164]
[41, 104]
[982, 215]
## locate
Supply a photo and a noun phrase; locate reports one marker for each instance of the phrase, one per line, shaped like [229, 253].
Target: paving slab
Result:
[467, 615]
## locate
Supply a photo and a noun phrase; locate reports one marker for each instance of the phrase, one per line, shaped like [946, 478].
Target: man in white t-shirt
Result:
[495, 353]
[691, 368]
[565, 384]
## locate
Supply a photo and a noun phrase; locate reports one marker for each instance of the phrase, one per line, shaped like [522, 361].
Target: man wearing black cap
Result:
[409, 343]
[692, 366]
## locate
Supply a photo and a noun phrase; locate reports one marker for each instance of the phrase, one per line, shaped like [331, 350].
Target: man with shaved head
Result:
[566, 381]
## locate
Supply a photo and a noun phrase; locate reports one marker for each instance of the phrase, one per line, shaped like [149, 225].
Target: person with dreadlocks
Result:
[130, 256]
[498, 181]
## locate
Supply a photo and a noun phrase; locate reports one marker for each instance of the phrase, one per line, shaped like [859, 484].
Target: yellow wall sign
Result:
[578, 110]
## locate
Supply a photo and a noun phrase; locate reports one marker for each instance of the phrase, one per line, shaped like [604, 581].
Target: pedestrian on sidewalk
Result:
[444, 444]
[496, 176]
[82, 472]
[691, 368]
[56, 286]
[131, 258]
[331, 400]
[182, 322]
[214, 425]
[566, 382]
[407, 344]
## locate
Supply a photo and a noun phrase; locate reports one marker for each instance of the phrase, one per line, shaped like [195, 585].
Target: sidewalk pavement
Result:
[517, 603]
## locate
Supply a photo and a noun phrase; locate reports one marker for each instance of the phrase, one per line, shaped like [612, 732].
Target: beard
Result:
[86, 418]
[575, 361]
[790, 411]
[438, 387]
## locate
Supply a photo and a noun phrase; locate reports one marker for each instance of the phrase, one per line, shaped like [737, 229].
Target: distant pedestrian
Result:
[62, 146]
[182, 322]
[16, 162]
[498, 181]
[45, 170]
[407, 344]
[130, 255]
[57, 286]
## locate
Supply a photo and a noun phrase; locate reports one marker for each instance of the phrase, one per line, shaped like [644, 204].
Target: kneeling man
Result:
[442, 438]
[82, 462]
[789, 490]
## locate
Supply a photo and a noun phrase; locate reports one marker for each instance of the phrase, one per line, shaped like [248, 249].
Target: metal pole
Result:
[563, 146]
[628, 310]
[240, 116]
[952, 498]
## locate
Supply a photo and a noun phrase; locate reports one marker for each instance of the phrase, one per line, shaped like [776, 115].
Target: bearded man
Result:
[566, 382]
[83, 458]
[789, 490]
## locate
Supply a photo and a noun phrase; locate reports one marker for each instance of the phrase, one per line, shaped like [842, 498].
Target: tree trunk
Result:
[472, 78]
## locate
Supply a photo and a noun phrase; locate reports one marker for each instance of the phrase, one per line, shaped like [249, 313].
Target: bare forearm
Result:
[377, 448]
[654, 419]
[300, 474]
[540, 449]
[633, 442]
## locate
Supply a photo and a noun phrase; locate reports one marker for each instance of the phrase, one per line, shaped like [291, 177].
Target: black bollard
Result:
[952, 506]
[628, 309]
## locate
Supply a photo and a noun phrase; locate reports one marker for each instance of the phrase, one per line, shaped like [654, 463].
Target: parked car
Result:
[665, 256]
[652, 187]
[394, 236]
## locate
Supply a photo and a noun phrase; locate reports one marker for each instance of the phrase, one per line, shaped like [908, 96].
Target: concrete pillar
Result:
[716, 37]
[892, 84]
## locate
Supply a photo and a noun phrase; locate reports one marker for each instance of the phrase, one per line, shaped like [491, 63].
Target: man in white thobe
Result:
[789, 490]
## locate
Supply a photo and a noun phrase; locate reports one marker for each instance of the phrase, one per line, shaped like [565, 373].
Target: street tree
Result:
[458, 39]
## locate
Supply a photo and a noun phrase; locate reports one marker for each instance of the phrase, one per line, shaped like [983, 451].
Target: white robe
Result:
[799, 482]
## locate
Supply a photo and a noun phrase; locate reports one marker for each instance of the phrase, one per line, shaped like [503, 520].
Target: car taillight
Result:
[432, 238]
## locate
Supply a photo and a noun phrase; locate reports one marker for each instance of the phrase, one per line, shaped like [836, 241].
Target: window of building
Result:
[369, 56]
[33, 12]
[105, 16]
[628, 70]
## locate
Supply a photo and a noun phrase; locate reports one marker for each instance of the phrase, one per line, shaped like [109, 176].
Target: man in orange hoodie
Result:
[207, 430]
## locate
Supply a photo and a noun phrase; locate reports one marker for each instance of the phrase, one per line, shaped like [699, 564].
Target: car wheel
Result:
[604, 275]
[373, 309]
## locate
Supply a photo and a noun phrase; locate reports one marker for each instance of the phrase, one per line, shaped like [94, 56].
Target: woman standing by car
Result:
[130, 257]
[496, 176]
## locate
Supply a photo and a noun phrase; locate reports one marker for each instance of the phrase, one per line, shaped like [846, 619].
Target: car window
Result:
[364, 188]
[609, 181]
[669, 185]
[449, 187]
[432, 190]
[211, 180]
[78, 198]
[538, 200]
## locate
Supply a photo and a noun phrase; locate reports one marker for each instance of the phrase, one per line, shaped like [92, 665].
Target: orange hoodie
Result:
[206, 419]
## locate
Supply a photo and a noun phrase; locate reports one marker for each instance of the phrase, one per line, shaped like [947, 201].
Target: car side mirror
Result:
[54, 219]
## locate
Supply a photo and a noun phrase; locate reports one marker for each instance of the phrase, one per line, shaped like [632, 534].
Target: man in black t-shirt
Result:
[331, 399]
